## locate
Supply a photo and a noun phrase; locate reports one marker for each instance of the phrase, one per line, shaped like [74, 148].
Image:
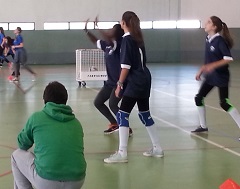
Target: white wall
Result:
[80, 10]
[111, 10]
[227, 10]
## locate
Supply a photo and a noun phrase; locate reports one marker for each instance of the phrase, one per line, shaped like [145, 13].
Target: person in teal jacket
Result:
[58, 159]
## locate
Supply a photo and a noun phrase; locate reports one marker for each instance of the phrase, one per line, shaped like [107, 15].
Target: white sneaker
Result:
[116, 158]
[154, 152]
[15, 79]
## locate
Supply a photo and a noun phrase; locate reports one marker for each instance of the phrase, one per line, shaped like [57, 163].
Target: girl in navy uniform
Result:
[20, 55]
[134, 70]
[111, 46]
[215, 69]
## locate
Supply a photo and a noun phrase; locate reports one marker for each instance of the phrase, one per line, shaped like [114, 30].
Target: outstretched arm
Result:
[106, 34]
[92, 37]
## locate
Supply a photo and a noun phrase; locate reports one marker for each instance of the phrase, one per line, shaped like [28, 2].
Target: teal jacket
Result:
[58, 143]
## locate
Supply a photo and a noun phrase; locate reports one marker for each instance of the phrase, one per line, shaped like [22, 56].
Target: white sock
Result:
[123, 140]
[235, 115]
[202, 116]
[152, 131]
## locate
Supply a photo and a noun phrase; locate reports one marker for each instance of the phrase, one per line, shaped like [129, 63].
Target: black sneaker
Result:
[1, 65]
[130, 132]
[199, 130]
[111, 130]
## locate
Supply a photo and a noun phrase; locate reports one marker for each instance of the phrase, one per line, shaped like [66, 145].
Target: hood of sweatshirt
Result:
[60, 112]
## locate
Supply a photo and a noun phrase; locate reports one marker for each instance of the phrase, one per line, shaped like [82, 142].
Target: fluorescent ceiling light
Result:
[164, 24]
[188, 24]
[22, 25]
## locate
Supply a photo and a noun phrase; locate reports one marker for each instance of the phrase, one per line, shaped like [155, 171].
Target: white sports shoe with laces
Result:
[154, 152]
[116, 158]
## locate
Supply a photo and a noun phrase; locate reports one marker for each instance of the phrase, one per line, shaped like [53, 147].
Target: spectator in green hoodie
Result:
[58, 159]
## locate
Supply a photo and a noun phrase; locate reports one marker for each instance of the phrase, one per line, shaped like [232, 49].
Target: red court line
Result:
[9, 147]
[4, 174]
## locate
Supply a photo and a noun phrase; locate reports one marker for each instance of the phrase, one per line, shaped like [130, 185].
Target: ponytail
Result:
[135, 30]
[222, 27]
[227, 36]
[133, 23]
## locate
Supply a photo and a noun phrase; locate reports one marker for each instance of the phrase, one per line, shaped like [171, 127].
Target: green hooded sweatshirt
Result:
[58, 143]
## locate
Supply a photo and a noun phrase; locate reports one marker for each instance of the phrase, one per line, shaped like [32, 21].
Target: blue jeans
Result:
[20, 57]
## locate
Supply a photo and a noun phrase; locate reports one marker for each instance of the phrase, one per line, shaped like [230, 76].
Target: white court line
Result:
[197, 136]
[185, 131]
[172, 95]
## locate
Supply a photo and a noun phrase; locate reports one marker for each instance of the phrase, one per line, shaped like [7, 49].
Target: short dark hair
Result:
[55, 92]
[19, 29]
[118, 32]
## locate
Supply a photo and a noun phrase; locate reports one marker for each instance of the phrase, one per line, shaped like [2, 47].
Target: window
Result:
[146, 25]
[188, 24]
[81, 25]
[4, 26]
[164, 24]
[22, 25]
[106, 25]
[56, 26]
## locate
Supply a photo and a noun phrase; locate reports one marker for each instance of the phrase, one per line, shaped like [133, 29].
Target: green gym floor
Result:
[191, 161]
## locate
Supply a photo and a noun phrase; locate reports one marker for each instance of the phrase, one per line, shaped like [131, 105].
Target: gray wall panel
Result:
[58, 47]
